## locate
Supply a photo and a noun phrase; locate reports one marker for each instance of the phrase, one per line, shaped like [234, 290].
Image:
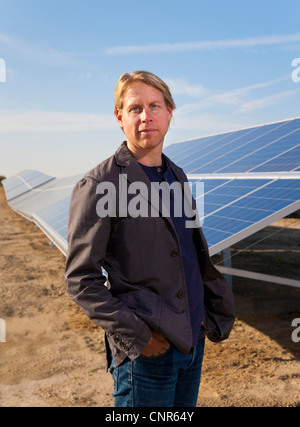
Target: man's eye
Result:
[135, 109]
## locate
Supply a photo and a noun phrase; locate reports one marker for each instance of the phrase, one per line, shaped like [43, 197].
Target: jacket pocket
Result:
[145, 304]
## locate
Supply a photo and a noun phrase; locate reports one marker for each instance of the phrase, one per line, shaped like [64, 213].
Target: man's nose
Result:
[146, 115]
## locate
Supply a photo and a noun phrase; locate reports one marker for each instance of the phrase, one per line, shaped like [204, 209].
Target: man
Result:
[162, 295]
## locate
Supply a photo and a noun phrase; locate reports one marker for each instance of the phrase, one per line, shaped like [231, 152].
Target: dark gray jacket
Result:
[146, 286]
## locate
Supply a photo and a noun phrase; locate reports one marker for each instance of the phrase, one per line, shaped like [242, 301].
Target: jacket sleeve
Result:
[219, 307]
[88, 236]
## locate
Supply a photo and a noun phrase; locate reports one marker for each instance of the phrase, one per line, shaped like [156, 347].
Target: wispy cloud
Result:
[37, 51]
[236, 98]
[265, 102]
[204, 123]
[249, 42]
[44, 121]
[206, 98]
[199, 116]
[180, 86]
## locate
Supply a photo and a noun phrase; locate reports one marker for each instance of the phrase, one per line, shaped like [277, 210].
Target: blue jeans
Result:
[168, 380]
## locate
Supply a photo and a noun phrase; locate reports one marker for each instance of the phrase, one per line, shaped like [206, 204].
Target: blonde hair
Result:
[145, 77]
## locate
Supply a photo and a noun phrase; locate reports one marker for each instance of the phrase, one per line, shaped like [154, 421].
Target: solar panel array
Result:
[24, 182]
[47, 204]
[251, 178]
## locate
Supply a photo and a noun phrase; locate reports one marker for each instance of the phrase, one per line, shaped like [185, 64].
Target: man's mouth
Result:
[147, 130]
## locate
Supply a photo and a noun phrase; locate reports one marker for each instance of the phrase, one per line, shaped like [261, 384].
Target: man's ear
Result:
[119, 118]
[170, 115]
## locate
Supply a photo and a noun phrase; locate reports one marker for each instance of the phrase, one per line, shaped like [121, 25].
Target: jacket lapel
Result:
[134, 173]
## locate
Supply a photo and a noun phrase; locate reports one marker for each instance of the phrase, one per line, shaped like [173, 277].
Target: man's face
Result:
[145, 117]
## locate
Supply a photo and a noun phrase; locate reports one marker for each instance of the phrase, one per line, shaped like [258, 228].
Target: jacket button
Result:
[181, 294]
[174, 253]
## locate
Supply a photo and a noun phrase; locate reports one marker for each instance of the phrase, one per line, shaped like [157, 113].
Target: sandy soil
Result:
[54, 356]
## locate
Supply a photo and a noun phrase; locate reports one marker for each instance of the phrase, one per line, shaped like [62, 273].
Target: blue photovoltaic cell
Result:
[14, 187]
[231, 191]
[230, 147]
[239, 151]
[56, 216]
[48, 206]
[206, 185]
[259, 157]
[188, 151]
[281, 163]
[257, 200]
[187, 148]
[24, 182]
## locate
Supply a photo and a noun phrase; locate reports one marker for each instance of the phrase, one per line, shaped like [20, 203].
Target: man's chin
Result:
[150, 141]
[146, 144]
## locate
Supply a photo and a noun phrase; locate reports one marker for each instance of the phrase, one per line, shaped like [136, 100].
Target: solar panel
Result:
[48, 206]
[24, 182]
[55, 218]
[243, 204]
[247, 150]
[251, 178]
[210, 146]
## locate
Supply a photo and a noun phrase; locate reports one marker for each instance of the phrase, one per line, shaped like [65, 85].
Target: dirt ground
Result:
[54, 356]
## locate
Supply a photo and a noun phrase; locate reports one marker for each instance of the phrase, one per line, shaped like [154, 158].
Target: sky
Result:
[229, 64]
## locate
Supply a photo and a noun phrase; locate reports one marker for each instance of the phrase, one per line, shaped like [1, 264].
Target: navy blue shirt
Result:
[188, 250]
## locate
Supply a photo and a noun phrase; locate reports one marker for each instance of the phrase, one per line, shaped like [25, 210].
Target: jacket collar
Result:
[123, 156]
[125, 159]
